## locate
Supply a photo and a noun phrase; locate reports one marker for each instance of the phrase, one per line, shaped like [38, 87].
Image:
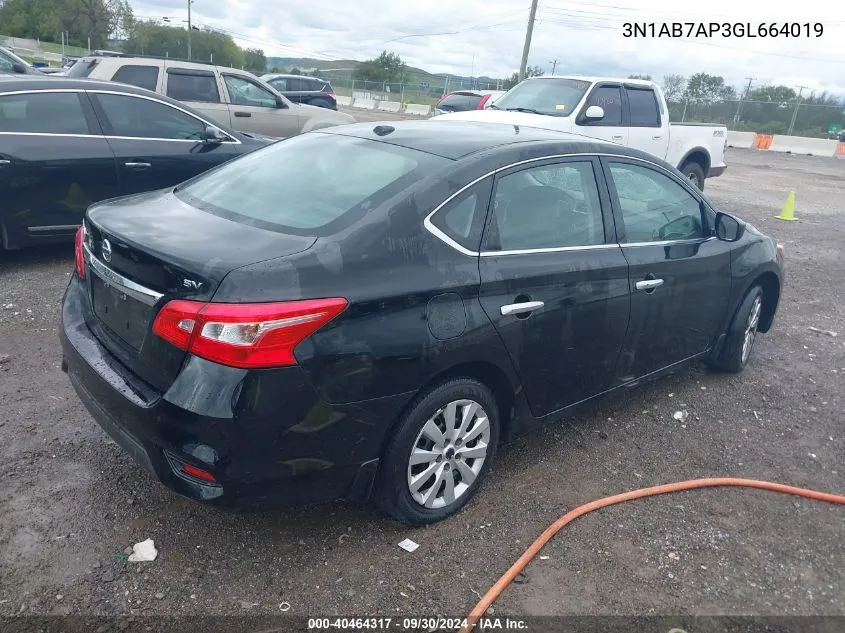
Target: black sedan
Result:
[368, 311]
[67, 143]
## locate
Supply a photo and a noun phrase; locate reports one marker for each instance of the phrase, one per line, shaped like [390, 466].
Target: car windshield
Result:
[555, 97]
[308, 182]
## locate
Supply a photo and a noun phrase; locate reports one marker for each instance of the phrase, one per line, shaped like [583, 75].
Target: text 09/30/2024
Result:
[723, 29]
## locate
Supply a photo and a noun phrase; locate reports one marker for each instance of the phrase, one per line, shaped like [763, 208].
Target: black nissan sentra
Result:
[369, 310]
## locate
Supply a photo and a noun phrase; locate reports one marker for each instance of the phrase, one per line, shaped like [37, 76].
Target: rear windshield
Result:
[555, 97]
[459, 102]
[308, 183]
[82, 68]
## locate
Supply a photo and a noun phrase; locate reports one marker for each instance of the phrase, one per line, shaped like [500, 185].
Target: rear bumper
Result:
[268, 440]
[716, 171]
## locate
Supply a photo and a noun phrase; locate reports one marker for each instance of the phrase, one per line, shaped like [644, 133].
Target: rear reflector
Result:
[246, 335]
[481, 103]
[79, 254]
[199, 473]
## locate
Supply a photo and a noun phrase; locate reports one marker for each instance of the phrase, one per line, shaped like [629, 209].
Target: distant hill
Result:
[341, 69]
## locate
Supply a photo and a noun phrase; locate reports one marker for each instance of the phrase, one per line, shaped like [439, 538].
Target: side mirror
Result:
[280, 103]
[213, 135]
[728, 228]
[594, 113]
[19, 68]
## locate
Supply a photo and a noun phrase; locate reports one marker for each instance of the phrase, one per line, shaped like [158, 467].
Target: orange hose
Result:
[522, 562]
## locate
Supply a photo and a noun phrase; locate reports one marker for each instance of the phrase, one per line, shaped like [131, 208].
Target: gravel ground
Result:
[71, 501]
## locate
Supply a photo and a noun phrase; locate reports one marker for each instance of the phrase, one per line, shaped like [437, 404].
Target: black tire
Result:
[695, 173]
[392, 489]
[322, 103]
[731, 357]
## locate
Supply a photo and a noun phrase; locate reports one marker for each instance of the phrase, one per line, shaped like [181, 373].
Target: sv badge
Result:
[191, 284]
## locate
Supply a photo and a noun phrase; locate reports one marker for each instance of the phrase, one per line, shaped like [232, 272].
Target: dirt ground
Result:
[71, 501]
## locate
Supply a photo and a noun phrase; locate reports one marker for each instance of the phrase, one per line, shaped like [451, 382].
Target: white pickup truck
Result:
[630, 112]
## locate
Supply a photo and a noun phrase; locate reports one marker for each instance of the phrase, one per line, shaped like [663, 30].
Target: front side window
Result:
[306, 183]
[550, 206]
[192, 86]
[141, 76]
[554, 97]
[244, 92]
[43, 112]
[609, 99]
[145, 118]
[654, 207]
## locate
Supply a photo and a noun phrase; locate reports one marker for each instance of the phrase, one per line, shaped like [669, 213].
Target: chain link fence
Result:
[425, 93]
[764, 117]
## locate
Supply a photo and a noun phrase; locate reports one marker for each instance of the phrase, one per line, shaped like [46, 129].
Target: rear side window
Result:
[280, 84]
[82, 68]
[293, 84]
[184, 85]
[324, 180]
[462, 219]
[550, 206]
[609, 98]
[459, 102]
[141, 76]
[44, 112]
[145, 118]
[643, 105]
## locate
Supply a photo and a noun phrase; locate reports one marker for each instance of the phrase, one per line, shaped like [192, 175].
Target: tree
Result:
[149, 38]
[674, 87]
[530, 71]
[646, 77]
[81, 19]
[387, 67]
[705, 89]
[254, 59]
[295, 71]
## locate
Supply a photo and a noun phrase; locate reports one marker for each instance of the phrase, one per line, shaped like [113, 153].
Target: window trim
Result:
[703, 205]
[94, 128]
[232, 139]
[602, 156]
[581, 119]
[190, 72]
[481, 212]
[627, 106]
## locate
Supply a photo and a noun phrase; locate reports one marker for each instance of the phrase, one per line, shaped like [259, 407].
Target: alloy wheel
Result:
[751, 328]
[448, 454]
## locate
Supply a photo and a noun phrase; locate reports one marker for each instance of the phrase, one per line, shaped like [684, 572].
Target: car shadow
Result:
[37, 256]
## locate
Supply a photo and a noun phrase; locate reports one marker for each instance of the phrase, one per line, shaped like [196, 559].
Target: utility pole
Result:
[795, 112]
[189, 29]
[554, 64]
[524, 63]
[742, 100]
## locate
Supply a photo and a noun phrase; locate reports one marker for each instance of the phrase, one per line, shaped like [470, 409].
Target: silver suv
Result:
[234, 98]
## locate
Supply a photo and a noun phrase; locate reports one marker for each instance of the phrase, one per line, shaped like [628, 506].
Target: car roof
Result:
[459, 139]
[284, 76]
[636, 82]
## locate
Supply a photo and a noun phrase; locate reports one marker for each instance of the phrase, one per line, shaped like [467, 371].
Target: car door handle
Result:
[244, 115]
[617, 137]
[521, 308]
[137, 165]
[649, 284]
[4, 161]
[657, 138]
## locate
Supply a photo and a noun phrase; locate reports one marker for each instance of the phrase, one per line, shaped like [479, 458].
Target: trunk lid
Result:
[146, 249]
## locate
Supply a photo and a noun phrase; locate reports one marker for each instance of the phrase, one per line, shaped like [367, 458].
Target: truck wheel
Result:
[695, 174]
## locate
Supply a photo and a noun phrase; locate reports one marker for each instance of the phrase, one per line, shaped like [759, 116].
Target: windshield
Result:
[307, 182]
[555, 97]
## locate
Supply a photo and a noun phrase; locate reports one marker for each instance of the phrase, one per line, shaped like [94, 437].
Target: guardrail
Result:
[413, 109]
[787, 144]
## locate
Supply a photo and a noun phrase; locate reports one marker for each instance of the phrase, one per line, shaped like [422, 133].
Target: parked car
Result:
[629, 112]
[67, 143]
[369, 310]
[11, 64]
[300, 89]
[463, 100]
[233, 98]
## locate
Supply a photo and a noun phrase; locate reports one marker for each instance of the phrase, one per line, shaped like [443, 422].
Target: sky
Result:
[486, 37]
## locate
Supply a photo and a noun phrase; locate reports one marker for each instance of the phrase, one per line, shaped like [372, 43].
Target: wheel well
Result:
[770, 284]
[490, 376]
[700, 157]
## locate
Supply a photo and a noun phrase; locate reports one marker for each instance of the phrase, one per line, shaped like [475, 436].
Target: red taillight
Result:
[481, 103]
[246, 335]
[329, 93]
[79, 251]
[199, 473]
